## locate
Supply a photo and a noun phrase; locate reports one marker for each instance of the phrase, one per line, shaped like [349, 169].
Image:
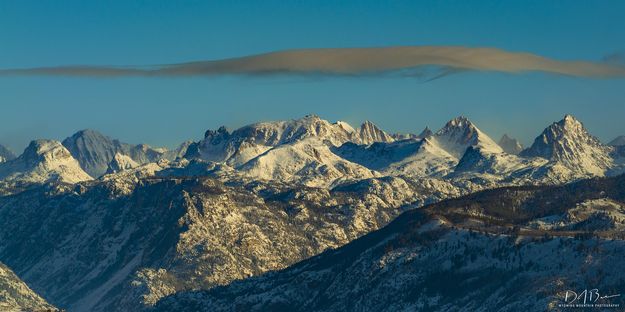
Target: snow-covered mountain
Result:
[568, 143]
[266, 196]
[98, 247]
[250, 141]
[460, 133]
[315, 152]
[476, 253]
[5, 154]
[510, 145]
[370, 133]
[434, 155]
[301, 151]
[43, 161]
[412, 157]
[121, 162]
[95, 151]
[309, 161]
[290, 151]
[16, 296]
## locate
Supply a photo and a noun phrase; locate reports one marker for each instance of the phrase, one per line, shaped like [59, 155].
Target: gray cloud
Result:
[410, 61]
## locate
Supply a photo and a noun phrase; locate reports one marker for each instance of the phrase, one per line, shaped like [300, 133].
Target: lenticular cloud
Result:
[350, 62]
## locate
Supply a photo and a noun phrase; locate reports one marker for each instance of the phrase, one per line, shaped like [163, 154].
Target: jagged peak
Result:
[569, 118]
[570, 122]
[426, 132]
[369, 125]
[220, 131]
[510, 145]
[459, 133]
[505, 138]
[459, 122]
[568, 142]
[567, 126]
[370, 133]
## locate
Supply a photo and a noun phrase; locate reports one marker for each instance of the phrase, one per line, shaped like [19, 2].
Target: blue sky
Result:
[166, 111]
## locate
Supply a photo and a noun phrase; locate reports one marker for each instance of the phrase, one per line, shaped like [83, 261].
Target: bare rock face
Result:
[510, 145]
[370, 133]
[95, 151]
[425, 133]
[16, 296]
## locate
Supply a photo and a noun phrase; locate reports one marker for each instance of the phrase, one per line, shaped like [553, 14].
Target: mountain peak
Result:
[89, 132]
[460, 133]
[94, 151]
[458, 122]
[120, 163]
[569, 118]
[367, 123]
[44, 160]
[222, 131]
[90, 135]
[41, 148]
[370, 133]
[425, 133]
[570, 122]
[510, 145]
[567, 141]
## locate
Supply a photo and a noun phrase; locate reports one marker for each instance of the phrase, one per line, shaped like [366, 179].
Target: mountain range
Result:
[315, 152]
[94, 224]
[492, 256]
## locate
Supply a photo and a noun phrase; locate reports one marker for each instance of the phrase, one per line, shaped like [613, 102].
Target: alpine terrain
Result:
[309, 214]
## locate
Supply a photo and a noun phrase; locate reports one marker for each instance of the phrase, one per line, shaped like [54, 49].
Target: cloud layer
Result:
[412, 60]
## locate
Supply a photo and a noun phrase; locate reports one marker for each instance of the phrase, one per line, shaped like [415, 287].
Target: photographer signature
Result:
[586, 296]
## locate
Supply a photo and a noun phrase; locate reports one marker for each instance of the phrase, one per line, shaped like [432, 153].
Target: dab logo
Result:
[588, 298]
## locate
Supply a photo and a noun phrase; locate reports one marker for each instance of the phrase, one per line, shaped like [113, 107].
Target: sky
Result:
[164, 111]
